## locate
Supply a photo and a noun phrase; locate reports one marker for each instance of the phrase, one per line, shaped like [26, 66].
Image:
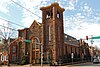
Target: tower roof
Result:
[52, 5]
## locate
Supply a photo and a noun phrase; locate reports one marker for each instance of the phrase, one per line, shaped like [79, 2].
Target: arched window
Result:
[14, 49]
[58, 15]
[35, 40]
[47, 14]
[2, 57]
[36, 44]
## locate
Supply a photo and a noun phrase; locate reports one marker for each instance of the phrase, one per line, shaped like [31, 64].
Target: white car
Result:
[96, 59]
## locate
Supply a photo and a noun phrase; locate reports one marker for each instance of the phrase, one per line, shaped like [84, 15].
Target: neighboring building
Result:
[4, 52]
[85, 50]
[4, 57]
[91, 51]
[0, 52]
[71, 45]
[13, 49]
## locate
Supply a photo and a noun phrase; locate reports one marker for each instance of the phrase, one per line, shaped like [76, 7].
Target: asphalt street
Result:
[89, 64]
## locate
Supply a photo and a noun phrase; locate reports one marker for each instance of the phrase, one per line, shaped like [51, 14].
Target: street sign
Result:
[96, 37]
[27, 41]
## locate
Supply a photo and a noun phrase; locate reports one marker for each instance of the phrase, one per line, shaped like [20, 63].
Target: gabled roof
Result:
[34, 23]
[31, 25]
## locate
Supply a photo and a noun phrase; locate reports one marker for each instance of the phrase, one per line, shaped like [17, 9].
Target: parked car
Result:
[96, 59]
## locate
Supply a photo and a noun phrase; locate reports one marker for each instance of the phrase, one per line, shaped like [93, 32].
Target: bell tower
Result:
[53, 32]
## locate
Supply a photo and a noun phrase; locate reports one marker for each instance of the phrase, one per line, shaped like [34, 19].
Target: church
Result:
[57, 47]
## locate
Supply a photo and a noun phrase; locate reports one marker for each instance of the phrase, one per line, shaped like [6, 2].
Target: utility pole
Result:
[41, 55]
[91, 45]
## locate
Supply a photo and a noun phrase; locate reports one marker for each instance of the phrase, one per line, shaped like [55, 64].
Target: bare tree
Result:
[6, 32]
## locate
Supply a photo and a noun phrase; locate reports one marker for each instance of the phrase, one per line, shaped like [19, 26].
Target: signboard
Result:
[27, 41]
[72, 55]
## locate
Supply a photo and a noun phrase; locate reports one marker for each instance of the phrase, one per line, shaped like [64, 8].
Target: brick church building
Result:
[57, 46]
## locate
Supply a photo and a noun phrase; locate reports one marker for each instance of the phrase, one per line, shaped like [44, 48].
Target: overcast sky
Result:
[81, 17]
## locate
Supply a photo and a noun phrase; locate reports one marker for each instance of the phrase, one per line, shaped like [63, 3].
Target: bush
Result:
[0, 63]
[65, 59]
[24, 60]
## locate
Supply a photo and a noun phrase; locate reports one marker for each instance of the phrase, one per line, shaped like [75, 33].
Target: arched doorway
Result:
[35, 52]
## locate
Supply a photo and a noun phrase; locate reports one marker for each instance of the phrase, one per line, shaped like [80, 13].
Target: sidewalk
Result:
[33, 66]
[29, 65]
[81, 63]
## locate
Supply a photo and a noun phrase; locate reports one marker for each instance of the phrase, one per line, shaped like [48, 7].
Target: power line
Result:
[8, 28]
[8, 16]
[11, 22]
[25, 8]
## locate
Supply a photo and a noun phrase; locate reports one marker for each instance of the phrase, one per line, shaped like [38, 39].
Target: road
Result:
[88, 64]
